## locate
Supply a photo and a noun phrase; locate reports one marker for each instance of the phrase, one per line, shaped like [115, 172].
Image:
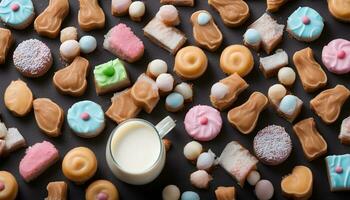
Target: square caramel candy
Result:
[6, 41]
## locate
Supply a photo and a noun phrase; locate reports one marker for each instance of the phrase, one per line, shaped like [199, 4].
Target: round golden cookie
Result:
[340, 9]
[101, 190]
[8, 186]
[190, 62]
[79, 164]
[236, 59]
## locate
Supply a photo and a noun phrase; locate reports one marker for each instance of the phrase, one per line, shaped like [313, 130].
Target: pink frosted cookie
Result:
[336, 56]
[203, 123]
[122, 42]
[38, 158]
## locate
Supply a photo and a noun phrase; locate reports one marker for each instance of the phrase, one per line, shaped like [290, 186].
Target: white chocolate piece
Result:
[137, 10]
[169, 15]
[253, 177]
[185, 90]
[165, 82]
[157, 67]
[69, 50]
[286, 76]
[344, 135]
[3, 130]
[219, 90]
[192, 150]
[171, 192]
[200, 179]
[14, 140]
[264, 190]
[69, 33]
[277, 92]
[271, 64]
[205, 160]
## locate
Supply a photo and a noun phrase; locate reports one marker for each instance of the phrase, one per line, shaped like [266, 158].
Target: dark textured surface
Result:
[177, 168]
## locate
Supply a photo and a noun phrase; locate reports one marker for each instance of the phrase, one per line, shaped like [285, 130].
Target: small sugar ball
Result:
[174, 102]
[156, 67]
[69, 33]
[137, 10]
[205, 160]
[253, 177]
[288, 104]
[192, 150]
[252, 37]
[169, 15]
[69, 50]
[185, 90]
[165, 82]
[171, 192]
[200, 179]
[277, 92]
[286, 76]
[264, 190]
[219, 90]
[87, 44]
[190, 195]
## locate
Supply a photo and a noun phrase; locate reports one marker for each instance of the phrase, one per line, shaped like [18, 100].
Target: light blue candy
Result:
[189, 195]
[203, 18]
[288, 104]
[13, 18]
[87, 44]
[252, 36]
[174, 100]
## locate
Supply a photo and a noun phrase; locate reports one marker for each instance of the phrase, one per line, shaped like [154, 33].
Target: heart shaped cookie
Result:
[298, 185]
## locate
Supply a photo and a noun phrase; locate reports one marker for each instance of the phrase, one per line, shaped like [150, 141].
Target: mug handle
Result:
[165, 126]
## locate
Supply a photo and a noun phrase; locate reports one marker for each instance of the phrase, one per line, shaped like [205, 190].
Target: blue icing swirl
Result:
[339, 181]
[174, 100]
[90, 127]
[18, 17]
[252, 36]
[307, 31]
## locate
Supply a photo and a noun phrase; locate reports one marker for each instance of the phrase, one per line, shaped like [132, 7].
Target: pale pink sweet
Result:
[203, 122]
[122, 42]
[336, 56]
[38, 158]
[121, 6]
[169, 15]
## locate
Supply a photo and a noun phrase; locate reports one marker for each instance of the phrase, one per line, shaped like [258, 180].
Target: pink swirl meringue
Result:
[203, 123]
[336, 56]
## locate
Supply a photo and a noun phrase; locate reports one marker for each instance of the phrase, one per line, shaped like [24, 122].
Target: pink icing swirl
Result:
[336, 56]
[203, 123]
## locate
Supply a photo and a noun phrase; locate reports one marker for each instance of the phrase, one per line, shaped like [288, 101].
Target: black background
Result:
[177, 168]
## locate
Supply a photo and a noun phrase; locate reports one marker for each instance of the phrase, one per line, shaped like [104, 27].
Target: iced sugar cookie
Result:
[337, 168]
[101, 190]
[236, 59]
[340, 9]
[8, 186]
[18, 98]
[233, 13]
[18, 14]
[336, 56]
[86, 119]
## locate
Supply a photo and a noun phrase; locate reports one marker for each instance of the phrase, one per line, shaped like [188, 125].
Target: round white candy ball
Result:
[205, 160]
[286, 76]
[192, 150]
[165, 82]
[157, 67]
[87, 44]
[185, 90]
[277, 92]
[253, 177]
[219, 90]
[171, 192]
[264, 190]
[137, 9]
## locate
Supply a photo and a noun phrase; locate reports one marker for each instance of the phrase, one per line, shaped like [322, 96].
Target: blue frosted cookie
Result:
[18, 14]
[86, 119]
[305, 24]
[338, 167]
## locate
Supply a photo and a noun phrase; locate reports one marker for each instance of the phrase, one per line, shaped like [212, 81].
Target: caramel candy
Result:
[18, 98]
[57, 190]
[145, 93]
[6, 41]
[274, 5]
[9, 186]
[48, 23]
[340, 9]
[344, 135]
[236, 59]
[91, 15]
[49, 116]
[225, 193]
[245, 116]
[234, 84]
[123, 107]
[232, 12]
[72, 79]
[298, 185]
[310, 72]
[178, 2]
[328, 103]
[101, 190]
[205, 31]
[312, 142]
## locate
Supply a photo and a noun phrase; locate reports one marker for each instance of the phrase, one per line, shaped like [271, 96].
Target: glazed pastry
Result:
[338, 167]
[245, 116]
[253, 178]
[38, 158]
[167, 37]
[185, 90]
[192, 150]
[145, 93]
[205, 31]
[49, 116]
[120, 7]
[340, 9]
[272, 145]
[190, 195]
[156, 67]
[6, 41]
[274, 5]
[178, 2]
[286, 76]
[69, 33]
[123, 107]
[237, 161]
[87, 44]
[225, 92]
[86, 119]
[298, 185]
[13, 141]
[270, 65]
[171, 192]
[336, 56]
[101, 190]
[305, 24]
[270, 32]
[190, 62]
[174, 102]
[57, 190]
[264, 190]
[110, 77]
[137, 10]
[328, 103]
[32, 58]
[165, 83]
[129, 50]
[233, 12]
[17, 14]
[71, 80]
[310, 72]
[252, 39]
[69, 50]
[236, 59]
[79, 164]
[169, 15]
[48, 23]
[90, 15]
[203, 123]
[200, 179]
[225, 193]
[311, 140]
[8, 186]
[18, 98]
[344, 135]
